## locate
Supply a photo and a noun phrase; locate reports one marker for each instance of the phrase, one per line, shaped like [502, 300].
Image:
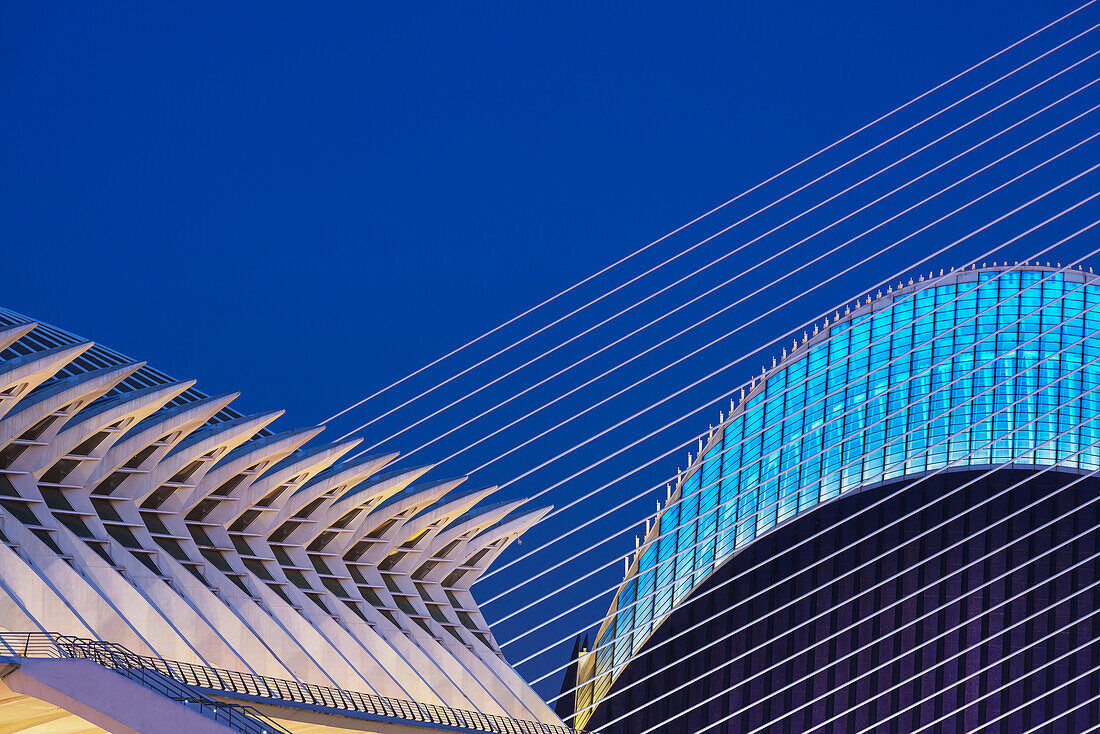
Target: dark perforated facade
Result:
[980, 608]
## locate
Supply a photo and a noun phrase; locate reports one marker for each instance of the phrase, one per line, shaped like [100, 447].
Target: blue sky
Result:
[306, 203]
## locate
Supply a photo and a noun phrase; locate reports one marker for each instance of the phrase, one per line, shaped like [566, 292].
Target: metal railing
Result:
[120, 660]
[117, 657]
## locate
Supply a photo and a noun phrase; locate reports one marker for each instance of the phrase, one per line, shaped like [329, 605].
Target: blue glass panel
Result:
[624, 622]
[685, 558]
[973, 373]
[666, 563]
[643, 608]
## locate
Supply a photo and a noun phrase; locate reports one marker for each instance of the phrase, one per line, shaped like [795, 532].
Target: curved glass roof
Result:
[904, 385]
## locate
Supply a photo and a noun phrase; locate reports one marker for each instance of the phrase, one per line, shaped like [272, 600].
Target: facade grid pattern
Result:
[994, 618]
[834, 418]
[180, 521]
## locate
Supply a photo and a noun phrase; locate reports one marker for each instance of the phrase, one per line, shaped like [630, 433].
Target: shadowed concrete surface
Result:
[54, 684]
[78, 697]
[72, 696]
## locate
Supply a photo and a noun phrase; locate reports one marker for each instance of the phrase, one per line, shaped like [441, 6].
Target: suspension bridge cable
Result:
[850, 410]
[804, 325]
[651, 541]
[708, 239]
[708, 538]
[995, 468]
[738, 301]
[769, 285]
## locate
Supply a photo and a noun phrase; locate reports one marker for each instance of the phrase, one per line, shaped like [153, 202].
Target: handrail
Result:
[190, 675]
[118, 659]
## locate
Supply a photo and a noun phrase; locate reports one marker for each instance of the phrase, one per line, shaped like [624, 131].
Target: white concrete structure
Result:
[136, 510]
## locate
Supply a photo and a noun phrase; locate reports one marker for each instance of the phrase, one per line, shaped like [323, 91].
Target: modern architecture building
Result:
[149, 529]
[894, 530]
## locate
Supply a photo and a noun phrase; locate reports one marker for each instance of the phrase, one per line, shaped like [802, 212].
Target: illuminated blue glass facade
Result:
[909, 384]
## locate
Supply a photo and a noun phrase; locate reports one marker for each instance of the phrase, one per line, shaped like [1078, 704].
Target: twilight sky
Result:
[307, 202]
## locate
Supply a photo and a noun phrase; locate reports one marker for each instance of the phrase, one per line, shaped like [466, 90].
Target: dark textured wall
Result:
[787, 667]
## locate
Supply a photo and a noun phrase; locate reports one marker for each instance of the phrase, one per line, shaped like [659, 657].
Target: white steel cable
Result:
[936, 610]
[712, 374]
[1025, 676]
[943, 388]
[700, 218]
[710, 537]
[879, 585]
[591, 493]
[968, 703]
[868, 428]
[688, 224]
[706, 346]
[1045, 638]
[962, 625]
[1011, 542]
[878, 369]
[947, 386]
[995, 468]
[767, 286]
[742, 246]
[1059, 715]
[653, 433]
[765, 508]
[576, 528]
[1090, 730]
[542, 492]
[876, 586]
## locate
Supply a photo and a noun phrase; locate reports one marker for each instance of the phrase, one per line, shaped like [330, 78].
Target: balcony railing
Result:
[117, 658]
[191, 676]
